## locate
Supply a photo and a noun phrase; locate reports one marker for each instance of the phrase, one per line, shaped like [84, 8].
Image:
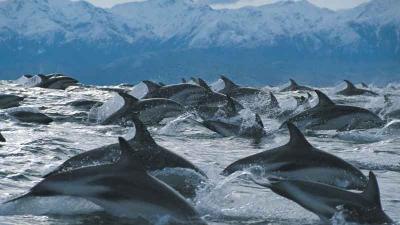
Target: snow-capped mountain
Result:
[169, 38]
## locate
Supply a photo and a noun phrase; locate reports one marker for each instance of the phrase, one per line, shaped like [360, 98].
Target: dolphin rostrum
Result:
[298, 159]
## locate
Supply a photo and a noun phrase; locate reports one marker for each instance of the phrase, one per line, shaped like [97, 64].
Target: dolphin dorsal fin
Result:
[323, 100]
[273, 101]
[127, 156]
[228, 83]
[184, 81]
[364, 85]
[129, 99]
[259, 121]
[204, 85]
[293, 83]
[2, 139]
[142, 135]
[230, 106]
[371, 192]
[296, 137]
[349, 85]
[151, 85]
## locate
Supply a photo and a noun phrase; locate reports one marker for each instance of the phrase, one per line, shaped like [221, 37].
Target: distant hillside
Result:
[169, 39]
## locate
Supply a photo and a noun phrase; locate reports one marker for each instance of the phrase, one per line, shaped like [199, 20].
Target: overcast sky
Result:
[332, 4]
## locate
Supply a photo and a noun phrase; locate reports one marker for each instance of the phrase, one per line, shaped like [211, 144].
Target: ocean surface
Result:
[33, 150]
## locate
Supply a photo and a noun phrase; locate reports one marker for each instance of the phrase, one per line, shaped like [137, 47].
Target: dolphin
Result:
[52, 81]
[154, 110]
[352, 90]
[124, 106]
[298, 159]
[293, 86]
[153, 157]
[236, 91]
[230, 109]
[236, 124]
[28, 115]
[326, 201]
[84, 104]
[327, 115]
[186, 94]
[122, 188]
[9, 101]
[215, 99]
[2, 139]
[58, 81]
[114, 110]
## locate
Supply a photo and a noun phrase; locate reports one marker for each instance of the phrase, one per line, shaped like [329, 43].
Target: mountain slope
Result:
[166, 39]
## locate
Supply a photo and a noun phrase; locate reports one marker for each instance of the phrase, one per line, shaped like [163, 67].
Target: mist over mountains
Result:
[170, 39]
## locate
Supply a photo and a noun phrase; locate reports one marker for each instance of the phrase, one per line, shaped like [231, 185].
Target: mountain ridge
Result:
[168, 39]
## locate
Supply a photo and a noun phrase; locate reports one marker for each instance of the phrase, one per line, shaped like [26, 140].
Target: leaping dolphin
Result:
[186, 94]
[52, 81]
[327, 115]
[293, 86]
[325, 200]
[229, 109]
[298, 159]
[248, 125]
[153, 157]
[122, 188]
[352, 90]
[124, 107]
[236, 91]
